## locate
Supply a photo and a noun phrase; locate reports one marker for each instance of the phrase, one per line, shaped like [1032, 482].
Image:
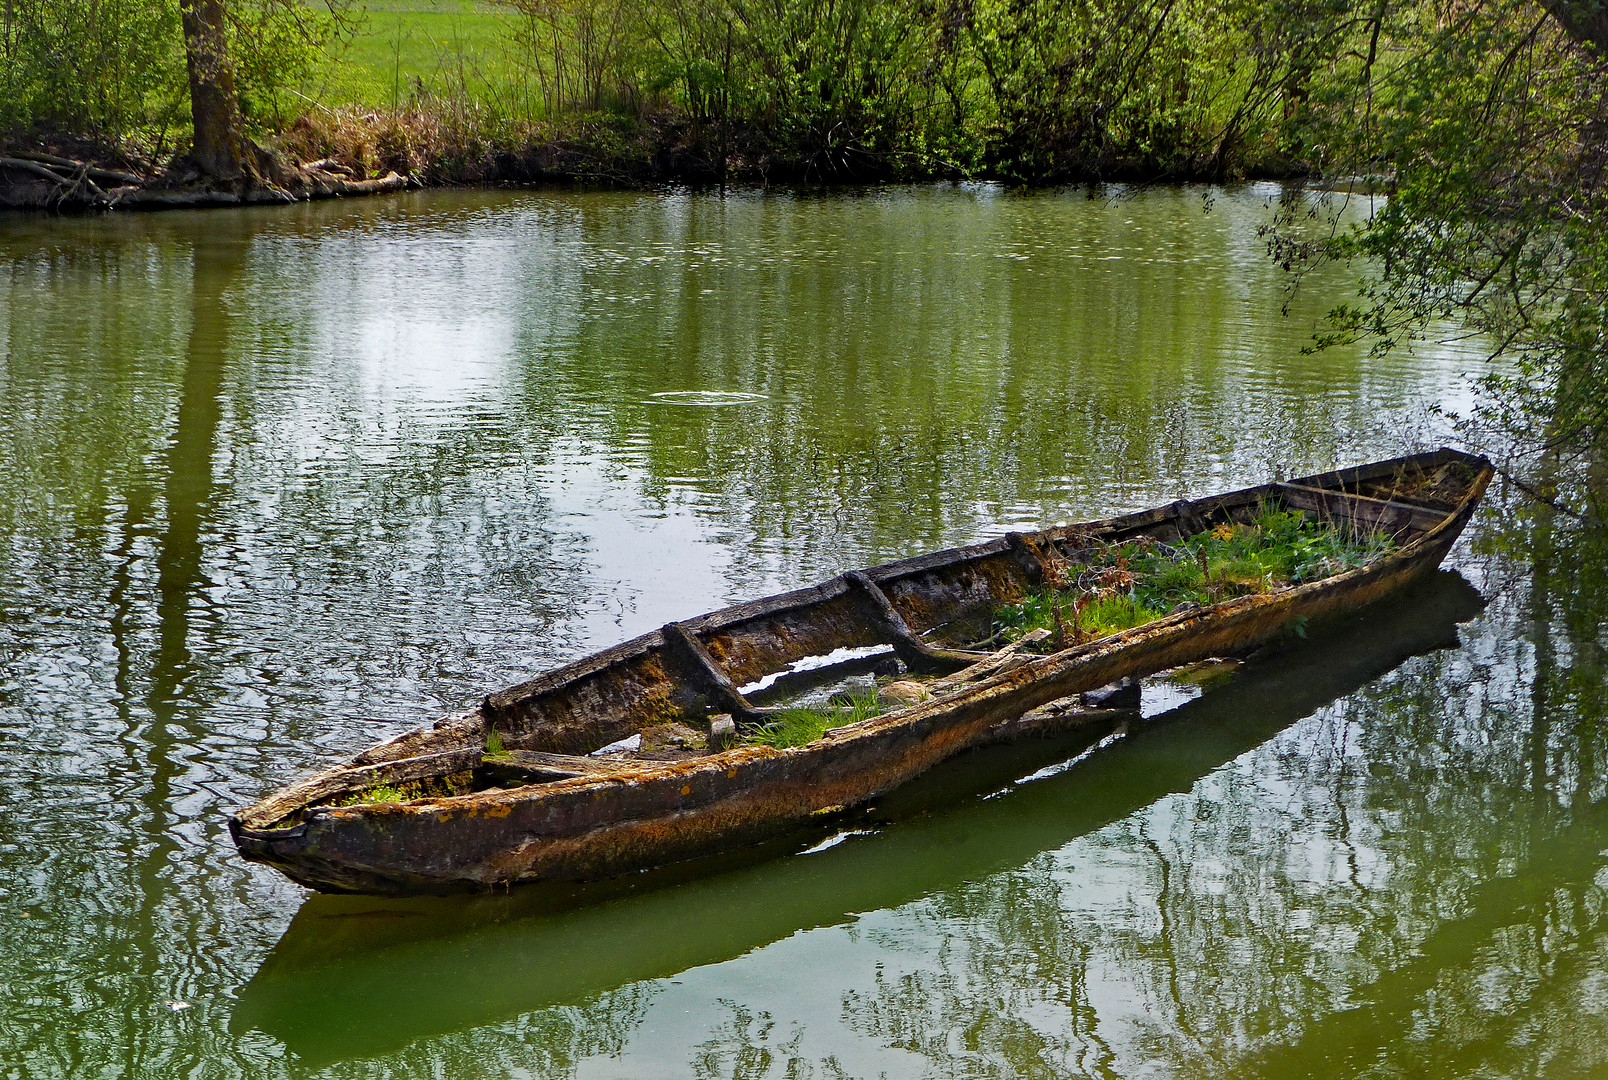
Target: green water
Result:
[275, 485]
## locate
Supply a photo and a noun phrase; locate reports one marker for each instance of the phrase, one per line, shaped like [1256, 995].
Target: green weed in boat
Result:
[803, 724]
[1130, 584]
[379, 793]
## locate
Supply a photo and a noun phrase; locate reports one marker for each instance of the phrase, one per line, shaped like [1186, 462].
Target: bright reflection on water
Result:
[274, 485]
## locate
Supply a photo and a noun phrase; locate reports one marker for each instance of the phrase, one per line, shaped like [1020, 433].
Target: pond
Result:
[275, 484]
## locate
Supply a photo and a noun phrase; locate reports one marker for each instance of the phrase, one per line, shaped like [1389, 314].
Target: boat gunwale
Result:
[1334, 482]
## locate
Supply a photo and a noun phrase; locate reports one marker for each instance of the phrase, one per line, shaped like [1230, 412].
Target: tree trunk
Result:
[221, 149]
[1586, 22]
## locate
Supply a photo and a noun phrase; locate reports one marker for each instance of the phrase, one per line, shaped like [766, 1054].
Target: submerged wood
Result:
[466, 831]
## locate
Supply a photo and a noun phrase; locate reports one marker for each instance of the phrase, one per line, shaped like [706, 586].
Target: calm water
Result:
[275, 485]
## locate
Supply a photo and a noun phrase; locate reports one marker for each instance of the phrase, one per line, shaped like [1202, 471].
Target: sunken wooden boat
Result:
[516, 791]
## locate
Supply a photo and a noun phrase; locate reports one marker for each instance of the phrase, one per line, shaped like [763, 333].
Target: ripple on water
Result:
[705, 397]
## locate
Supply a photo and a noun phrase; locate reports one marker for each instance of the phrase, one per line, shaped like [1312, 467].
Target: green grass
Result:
[452, 48]
[1131, 584]
[804, 724]
[379, 793]
[1278, 547]
[1102, 615]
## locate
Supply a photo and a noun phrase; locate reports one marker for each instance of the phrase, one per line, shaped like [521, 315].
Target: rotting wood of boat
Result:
[568, 815]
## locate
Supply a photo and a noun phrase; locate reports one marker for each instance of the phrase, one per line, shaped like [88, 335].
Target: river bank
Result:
[332, 153]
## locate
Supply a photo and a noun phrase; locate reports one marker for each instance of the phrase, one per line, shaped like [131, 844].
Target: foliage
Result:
[1278, 546]
[1100, 615]
[800, 725]
[272, 43]
[1487, 130]
[1130, 584]
[1026, 89]
[1029, 89]
[116, 68]
[94, 69]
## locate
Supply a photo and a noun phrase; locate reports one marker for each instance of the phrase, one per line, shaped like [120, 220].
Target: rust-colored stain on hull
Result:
[590, 827]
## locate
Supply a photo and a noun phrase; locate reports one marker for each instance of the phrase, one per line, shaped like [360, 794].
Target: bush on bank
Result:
[1028, 90]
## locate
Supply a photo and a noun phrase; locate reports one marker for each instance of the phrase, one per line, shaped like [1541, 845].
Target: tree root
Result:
[34, 180]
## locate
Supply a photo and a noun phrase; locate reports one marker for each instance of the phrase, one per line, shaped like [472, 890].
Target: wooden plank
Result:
[1391, 517]
[917, 654]
[563, 765]
[993, 665]
[707, 675]
[1357, 474]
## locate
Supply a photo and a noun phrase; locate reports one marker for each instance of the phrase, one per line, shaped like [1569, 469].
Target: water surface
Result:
[275, 484]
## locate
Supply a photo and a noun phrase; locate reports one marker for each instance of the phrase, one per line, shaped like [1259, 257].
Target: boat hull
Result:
[588, 828]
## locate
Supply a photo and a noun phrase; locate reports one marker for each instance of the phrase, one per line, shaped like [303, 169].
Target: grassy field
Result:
[444, 48]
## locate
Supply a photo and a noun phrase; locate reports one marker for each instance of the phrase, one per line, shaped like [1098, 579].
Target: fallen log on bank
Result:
[36, 180]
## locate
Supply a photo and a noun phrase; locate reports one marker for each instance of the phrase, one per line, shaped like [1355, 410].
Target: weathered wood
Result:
[329, 165]
[558, 766]
[35, 169]
[1393, 518]
[1183, 512]
[96, 172]
[391, 181]
[1029, 556]
[356, 777]
[80, 190]
[590, 826]
[916, 654]
[707, 675]
[993, 665]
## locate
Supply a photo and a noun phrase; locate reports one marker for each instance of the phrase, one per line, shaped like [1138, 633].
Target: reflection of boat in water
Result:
[515, 792]
[356, 976]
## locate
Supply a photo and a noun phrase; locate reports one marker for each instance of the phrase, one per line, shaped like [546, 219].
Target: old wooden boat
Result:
[515, 790]
[328, 987]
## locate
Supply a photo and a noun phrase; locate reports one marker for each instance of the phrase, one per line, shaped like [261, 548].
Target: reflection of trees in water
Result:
[1008, 996]
[941, 363]
[125, 755]
[550, 1044]
[1246, 916]
[159, 637]
[393, 540]
[1437, 813]
[1405, 814]
[746, 1045]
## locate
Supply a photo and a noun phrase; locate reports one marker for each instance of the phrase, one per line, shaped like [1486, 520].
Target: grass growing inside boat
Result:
[379, 793]
[1131, 584]
[431, 787]
[1099, 616]
[804, 724]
